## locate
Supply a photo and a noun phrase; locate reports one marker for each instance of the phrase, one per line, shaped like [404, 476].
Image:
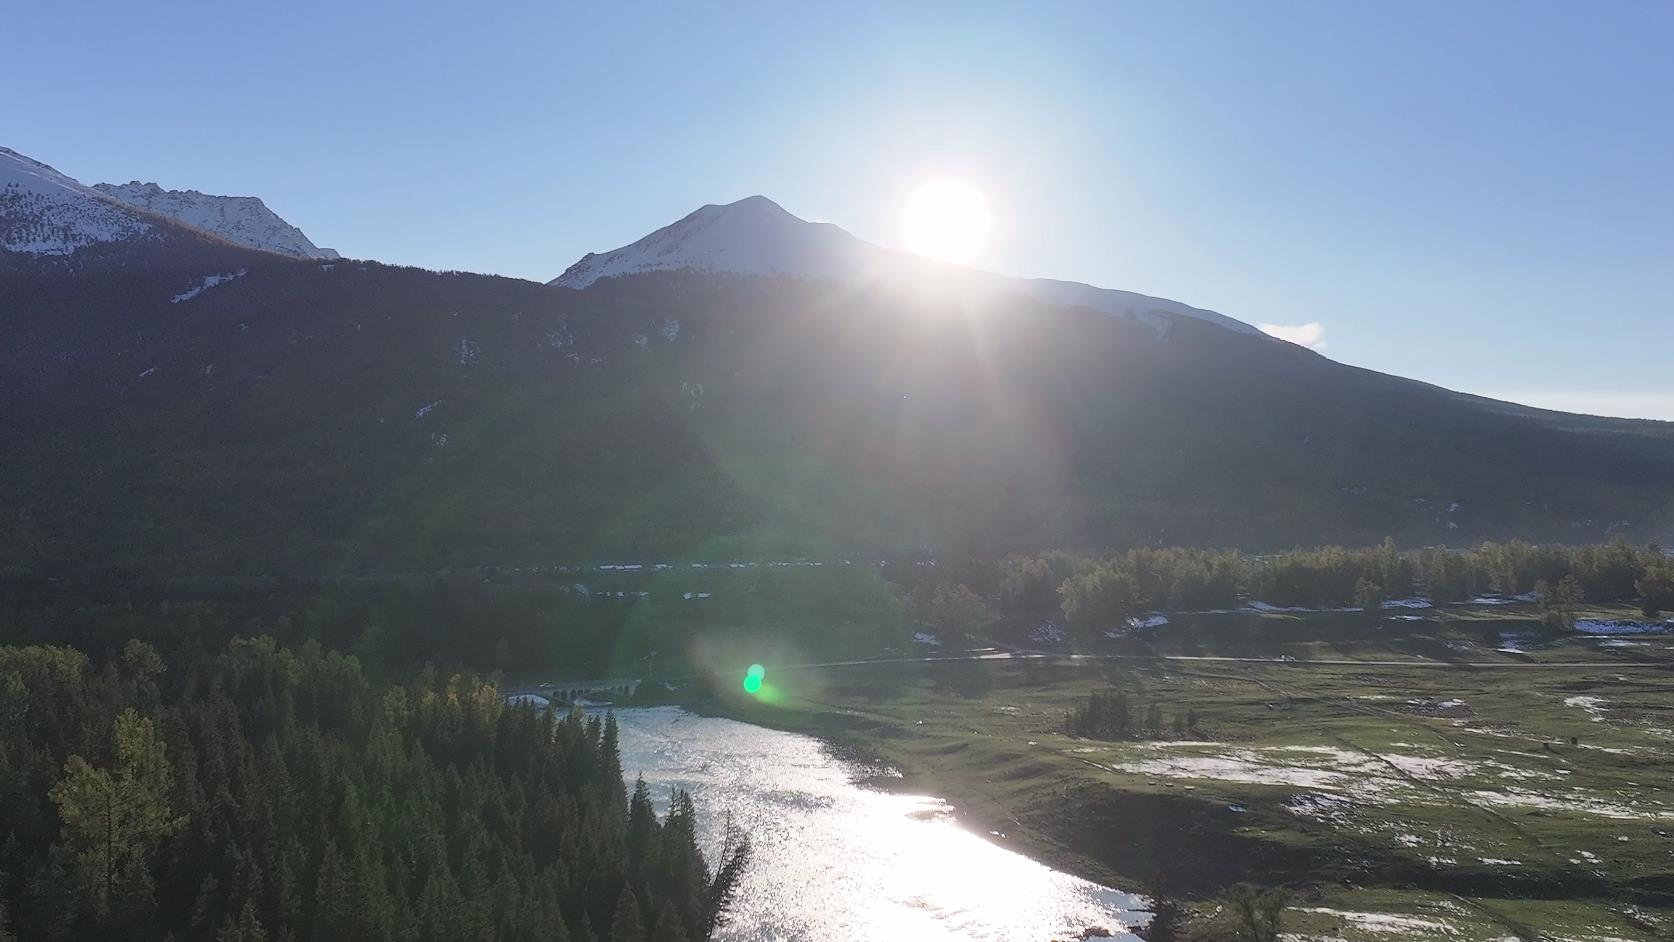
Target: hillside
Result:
[328, 417]
[740, 383]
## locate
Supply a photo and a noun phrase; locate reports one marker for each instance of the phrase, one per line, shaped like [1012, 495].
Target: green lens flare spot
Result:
[756, 670]
[752, 678]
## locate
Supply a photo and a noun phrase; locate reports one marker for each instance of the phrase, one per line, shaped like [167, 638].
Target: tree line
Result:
[1113, 715]
[1107, 588]
[262, 793]
[590, 625]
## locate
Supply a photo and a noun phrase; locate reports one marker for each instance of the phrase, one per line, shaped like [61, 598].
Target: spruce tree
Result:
[625, 925]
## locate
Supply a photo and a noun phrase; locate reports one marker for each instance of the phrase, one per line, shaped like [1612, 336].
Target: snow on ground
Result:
[1426, 706]
[209, 281]
[1502, 599]
[1336, 780]
[1622, 626]
[1386, 922]
[1415, 766]
[1148, 621]
[1593, 705]
[1321, 806]
[1414, 602]
[924, 637]
[1524, 798]
[1237, 766]
[1264, 607]
[426, 409]
[1047, 632]
[1269, 608]
[1322, 768]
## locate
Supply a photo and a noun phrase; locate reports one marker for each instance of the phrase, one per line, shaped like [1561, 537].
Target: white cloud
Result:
[1627, 404]
[1311, 335]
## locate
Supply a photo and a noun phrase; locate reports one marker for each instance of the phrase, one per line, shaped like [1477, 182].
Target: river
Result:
[839, 862]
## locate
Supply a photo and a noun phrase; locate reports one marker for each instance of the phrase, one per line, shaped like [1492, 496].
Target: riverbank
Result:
[833, 860]
[1442, 796]
[889, 767]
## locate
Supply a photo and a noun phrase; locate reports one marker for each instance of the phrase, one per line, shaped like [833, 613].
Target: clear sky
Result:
[1479, 194]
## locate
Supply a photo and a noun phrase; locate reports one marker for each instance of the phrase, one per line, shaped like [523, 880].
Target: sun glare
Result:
[948, 220]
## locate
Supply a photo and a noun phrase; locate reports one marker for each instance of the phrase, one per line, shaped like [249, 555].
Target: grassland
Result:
[1431, 786]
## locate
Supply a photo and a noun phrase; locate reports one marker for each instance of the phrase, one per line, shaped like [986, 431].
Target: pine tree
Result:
[642, 822]
[668, 927]
[735, 858]
[6, 933]
[334, 902]
[625, 925]
[112, 817]
[247, 928]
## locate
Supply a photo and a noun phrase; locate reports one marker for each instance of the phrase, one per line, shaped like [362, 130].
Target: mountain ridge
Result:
[47, 214]
[756, 236]
[196, 407]
[242, 220]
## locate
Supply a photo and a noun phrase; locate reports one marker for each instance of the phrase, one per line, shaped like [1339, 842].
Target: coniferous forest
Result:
[261, 793]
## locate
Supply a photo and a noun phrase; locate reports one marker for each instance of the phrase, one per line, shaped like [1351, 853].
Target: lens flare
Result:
[753, 678]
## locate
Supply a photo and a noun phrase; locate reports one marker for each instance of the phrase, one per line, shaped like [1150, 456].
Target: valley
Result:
[866, 472]
[931, 602]
[1443, 799]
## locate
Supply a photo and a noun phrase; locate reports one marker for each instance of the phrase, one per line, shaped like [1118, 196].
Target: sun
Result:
[947, 219]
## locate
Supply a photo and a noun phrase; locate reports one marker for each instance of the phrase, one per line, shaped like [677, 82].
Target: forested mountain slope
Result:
[309, 417]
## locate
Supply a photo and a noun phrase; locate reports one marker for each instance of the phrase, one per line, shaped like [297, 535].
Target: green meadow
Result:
[1456, 773]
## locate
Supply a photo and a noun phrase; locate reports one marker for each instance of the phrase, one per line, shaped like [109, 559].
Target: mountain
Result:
[58, 222]
[205, 409]
[756, 236]
[44, 212]
[242, 220]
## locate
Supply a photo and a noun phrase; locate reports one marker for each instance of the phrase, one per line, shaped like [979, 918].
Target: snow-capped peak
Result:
[44, 212]
[756, 236]
[242, 220]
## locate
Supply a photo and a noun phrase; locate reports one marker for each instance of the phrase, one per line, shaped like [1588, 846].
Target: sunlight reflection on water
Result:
[835, 861]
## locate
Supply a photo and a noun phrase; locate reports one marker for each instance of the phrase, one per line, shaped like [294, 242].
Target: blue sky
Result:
[1479, 195]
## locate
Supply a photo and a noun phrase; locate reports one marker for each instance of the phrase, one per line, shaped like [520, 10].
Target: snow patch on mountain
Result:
[44, 212]
[208, 281]
[756, 236]
[243, 220]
